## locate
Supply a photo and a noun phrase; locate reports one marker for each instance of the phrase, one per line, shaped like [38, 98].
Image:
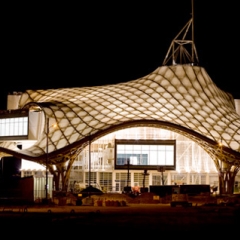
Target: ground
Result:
[135, 219]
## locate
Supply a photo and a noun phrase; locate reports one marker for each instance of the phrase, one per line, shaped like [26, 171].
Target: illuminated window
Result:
[106, 181]
[93, 179]
[14, 126]
[145, 154]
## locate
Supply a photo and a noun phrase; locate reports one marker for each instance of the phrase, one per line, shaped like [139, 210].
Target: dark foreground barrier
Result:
[191, 190]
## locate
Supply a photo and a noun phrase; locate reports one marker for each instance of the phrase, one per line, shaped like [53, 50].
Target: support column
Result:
[114, 181]
[131, 179]
[98, 180]
[200, 179]
[169, 178]
[84, 178]
[227, 174]
[188, 178]
[207, 178]
[150, 178]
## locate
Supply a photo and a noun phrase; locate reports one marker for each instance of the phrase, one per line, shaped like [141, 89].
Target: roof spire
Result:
[180, 46]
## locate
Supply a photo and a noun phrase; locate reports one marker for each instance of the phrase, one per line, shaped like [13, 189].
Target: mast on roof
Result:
[183, 50]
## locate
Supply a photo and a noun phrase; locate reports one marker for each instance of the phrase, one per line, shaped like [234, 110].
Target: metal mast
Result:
[180, 51]
[193, 32]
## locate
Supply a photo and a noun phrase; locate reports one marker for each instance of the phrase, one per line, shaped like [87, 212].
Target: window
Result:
[17, 126]
[105, 181]
[92, 179]
[145, 154]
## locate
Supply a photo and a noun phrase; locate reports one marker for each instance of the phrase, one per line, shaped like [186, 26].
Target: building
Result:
[172, 126]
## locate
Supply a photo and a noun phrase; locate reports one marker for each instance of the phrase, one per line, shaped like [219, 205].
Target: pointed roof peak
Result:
[182, 49]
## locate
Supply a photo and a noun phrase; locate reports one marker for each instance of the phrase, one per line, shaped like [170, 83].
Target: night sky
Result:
[97, 43]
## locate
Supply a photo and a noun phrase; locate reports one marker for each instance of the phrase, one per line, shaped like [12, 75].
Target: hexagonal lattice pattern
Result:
[181, 94]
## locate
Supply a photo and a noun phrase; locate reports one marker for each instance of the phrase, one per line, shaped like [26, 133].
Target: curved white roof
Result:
[182, 95]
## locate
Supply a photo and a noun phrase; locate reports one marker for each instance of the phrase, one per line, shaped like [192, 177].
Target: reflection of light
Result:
[133, 160]
[31, 165]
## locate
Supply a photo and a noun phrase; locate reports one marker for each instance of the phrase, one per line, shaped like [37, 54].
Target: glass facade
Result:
[193, 164]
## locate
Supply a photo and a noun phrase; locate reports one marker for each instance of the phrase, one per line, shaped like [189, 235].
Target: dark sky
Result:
[97, 43]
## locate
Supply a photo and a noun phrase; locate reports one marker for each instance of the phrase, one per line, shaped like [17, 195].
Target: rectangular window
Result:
[121, 181]
[145, 154]
[13, 127]
[105, 179]
[92, 179]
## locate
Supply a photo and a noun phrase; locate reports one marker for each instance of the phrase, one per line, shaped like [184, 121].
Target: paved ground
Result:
[139, 218]
[132, 220]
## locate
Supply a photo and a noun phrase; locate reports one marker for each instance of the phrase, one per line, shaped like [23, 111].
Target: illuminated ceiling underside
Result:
[182, 95]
